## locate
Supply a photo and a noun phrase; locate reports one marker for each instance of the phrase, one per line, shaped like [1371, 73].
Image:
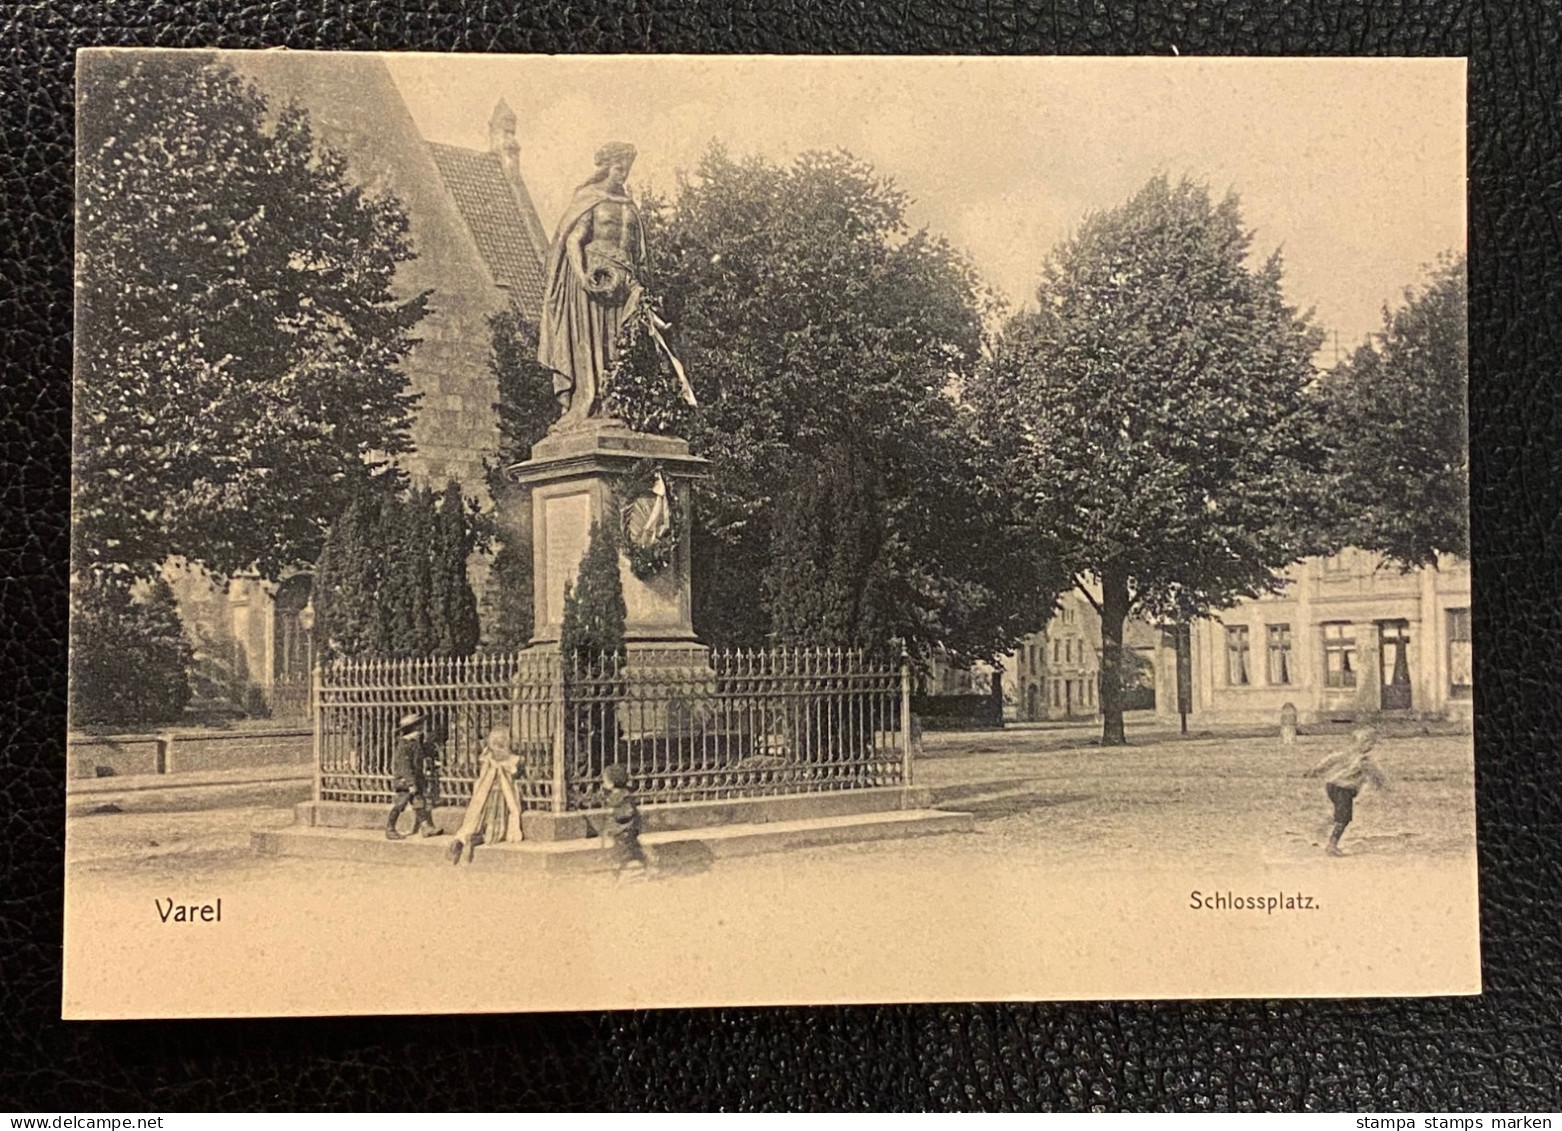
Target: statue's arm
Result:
[575, 245]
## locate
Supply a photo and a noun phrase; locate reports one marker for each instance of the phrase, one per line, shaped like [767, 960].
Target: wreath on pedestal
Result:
[648, 559]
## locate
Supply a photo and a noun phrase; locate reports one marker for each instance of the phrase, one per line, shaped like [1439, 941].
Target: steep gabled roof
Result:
[501, 219]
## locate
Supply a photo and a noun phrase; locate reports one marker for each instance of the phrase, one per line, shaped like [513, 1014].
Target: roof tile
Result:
[488, 204]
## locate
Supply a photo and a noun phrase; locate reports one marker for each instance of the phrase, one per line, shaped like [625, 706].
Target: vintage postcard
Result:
[587, 532]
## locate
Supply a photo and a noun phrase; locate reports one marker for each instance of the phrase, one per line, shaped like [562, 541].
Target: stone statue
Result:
[592, 283]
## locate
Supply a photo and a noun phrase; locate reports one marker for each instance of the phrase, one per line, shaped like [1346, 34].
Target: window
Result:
[1057, 651]
[1057, 693]
[1339, 655]
[1335, 563]
[1237, 656]
[1033, 659]
[1279, 653]
[1460, 666]
[1068, 651]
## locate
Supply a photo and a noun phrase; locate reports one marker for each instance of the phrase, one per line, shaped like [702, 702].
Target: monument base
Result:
[573, 476]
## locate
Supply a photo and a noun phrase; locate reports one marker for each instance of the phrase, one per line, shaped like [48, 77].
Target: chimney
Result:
[501, 141]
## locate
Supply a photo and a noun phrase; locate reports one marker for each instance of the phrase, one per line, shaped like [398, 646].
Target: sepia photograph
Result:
[581, 532]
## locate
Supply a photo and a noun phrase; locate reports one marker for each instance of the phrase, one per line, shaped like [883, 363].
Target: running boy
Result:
[1347, 771]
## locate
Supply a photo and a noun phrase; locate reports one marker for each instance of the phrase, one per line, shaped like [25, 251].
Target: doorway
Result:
[1394, 664]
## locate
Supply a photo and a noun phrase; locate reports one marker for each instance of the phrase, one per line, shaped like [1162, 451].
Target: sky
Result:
[1353, 168]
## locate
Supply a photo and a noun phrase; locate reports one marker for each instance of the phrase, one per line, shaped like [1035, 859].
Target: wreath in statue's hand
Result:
[651, 519]
[606, 279]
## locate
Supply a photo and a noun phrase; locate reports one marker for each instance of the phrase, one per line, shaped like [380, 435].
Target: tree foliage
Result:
[594, 610]
[237, 336]
[128, 655]
[454, 604]
[508, 616]
[1160, 403]
[392, 579]
[1399, 413]
[851, 499]
[526, 407]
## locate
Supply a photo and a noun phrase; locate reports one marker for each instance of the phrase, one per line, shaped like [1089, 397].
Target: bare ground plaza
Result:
[1045, 794]
[1068, 838]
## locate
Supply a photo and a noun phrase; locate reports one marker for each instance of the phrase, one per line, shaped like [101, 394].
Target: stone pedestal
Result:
[571, 475]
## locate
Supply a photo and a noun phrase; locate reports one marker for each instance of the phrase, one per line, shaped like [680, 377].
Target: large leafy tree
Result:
[1400, 417]
[237, 335]
[1160, 400]
[851, 499]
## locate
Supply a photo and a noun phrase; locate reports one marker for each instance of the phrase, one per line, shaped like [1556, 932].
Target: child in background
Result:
[1348, 770]
[622, 830]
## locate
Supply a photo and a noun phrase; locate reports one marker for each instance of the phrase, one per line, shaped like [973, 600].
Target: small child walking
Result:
[1347, 771]
[622, 831]
[413, 761]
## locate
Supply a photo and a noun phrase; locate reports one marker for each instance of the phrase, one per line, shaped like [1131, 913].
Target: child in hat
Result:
[409, 776]
[1348, 770]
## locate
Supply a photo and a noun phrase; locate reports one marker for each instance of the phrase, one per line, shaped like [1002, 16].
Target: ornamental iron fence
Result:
[687, 724]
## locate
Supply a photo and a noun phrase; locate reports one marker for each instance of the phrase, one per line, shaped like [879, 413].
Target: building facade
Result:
[1056, 674]
[1351, 637]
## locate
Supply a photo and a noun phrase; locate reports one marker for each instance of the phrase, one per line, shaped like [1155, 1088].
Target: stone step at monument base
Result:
[541, 825]
[954, 795]
[672, 850]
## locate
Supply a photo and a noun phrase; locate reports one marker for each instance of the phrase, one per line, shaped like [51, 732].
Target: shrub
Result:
[129, 658]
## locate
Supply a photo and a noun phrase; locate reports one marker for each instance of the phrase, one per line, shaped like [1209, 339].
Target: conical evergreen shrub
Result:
[453, 603]
[594, 609]
[392, 578]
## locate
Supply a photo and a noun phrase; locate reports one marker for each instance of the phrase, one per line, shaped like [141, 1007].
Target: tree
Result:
[526, 406]
[454, 605]
[128, 658]
[238, 339]
[1399, 413]
[591, 649]
[349, 581]
[391, 580]
[594, 610]
[1160, 403]
[409, 536]
[526, 409]
[827, 343]
[508, 613]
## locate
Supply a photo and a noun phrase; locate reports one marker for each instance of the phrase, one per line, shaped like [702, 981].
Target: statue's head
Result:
[614, 161]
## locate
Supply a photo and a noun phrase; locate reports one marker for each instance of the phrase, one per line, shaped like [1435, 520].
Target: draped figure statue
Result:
[592, 283]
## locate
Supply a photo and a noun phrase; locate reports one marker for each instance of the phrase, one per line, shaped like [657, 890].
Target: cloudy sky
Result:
[1353, 167]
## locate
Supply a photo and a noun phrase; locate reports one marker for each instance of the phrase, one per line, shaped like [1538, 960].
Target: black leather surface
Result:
[1502, 1050]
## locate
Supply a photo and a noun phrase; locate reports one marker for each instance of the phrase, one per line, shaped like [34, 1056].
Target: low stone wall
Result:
[183, 751]
[116, 754]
